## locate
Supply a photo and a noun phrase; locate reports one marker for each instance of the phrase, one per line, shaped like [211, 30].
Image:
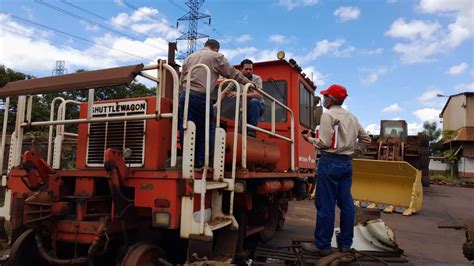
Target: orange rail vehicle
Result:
[133, 196]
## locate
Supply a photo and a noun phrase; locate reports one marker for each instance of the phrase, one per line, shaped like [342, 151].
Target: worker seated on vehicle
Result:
[393, 133]
[255, 101]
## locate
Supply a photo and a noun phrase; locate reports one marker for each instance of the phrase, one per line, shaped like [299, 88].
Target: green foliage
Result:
[449, 155]
[431, 130]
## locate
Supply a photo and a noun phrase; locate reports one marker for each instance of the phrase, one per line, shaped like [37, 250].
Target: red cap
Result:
[337, 91]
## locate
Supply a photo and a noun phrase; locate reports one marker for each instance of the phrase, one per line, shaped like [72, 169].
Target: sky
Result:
[393, 56]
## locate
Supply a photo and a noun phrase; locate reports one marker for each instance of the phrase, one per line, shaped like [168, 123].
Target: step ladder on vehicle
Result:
[204, 226]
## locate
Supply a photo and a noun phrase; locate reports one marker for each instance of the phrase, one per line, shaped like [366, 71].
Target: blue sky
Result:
[394, 56]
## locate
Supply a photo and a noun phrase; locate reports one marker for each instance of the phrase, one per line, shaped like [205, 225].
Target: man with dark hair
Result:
[255, 101]
[218, 65]
[339, 135]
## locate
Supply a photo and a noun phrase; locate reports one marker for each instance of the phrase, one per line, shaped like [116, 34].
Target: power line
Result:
[37, 38]
[105, 19]
[178, 6]
[41, 2]
[70, 35]
[147, 15]
[89, 21]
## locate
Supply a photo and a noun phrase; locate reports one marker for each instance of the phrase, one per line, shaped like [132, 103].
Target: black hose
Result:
[44, 254]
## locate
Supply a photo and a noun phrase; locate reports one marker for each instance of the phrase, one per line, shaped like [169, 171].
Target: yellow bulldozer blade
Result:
[388, 184]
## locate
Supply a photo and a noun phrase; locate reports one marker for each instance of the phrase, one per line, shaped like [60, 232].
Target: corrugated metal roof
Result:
[465, 134]
[77, 81]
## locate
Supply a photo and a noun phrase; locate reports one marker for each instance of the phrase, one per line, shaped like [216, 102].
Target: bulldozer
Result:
[391, 172]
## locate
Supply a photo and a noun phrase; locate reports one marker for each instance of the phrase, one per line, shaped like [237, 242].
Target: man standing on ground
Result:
[337, 141]
[218, 65]
[255, 101]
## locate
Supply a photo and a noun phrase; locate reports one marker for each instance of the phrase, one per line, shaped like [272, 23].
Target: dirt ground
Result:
[417, 235]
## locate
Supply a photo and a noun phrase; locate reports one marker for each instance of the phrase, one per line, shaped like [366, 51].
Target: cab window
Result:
[306, 107]
[278, 90]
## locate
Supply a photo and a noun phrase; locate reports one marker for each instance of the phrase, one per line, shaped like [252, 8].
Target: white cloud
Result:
[465, 87]
[429, 95]
[427, 114]
[425, 39]
[372, 75]
[430, 98]
[243, 38]
[413, 30]
[414, 128]
[324, 47]
[376, 51]
[291, 4]
[318, 78]
[28, 11]
[463, 11]
[236, 39]
[89, 27]
[141, 20]
[373, 129]
[346, 13]
[393, 108]
[278, 39]
[458, 69]
[32, 50]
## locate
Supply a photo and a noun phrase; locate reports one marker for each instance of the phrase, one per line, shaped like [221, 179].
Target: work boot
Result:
[312, 248]
[344, 250]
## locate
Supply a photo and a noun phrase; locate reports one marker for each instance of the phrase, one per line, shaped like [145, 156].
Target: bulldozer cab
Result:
[394, 129]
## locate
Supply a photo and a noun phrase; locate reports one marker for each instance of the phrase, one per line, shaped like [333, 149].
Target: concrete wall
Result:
[465, 167]
[470, 111]
[454, 116]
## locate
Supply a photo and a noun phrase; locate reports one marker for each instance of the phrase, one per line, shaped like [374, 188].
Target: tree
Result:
[449, 155]
[431, 130]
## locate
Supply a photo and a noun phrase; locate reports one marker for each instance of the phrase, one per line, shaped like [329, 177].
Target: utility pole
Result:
[193, 16]
[60, 68]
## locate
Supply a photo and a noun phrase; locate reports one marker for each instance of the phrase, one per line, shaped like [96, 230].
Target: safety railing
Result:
[60, 133]
[236, 130]
[26, 103]
[272, 133]
[4, 134]
[206, 132]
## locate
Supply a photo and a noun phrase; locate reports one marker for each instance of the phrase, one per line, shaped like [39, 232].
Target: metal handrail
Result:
[206, 132]
[21, 123]
[236, 131]
[4, 134]
[272, 132]
[50, 134]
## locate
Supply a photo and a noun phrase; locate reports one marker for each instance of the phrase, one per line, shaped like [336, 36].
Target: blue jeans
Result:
[255, 109]
[333, 186]
[197, 114]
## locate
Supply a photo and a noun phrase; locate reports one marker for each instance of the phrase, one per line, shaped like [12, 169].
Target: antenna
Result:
[60, 68]
[193, 16]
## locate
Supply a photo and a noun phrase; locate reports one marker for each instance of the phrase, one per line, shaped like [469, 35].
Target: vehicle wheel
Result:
[271, 223]
[143, 254]
[282, 210]
[24, 251]
[425, 181]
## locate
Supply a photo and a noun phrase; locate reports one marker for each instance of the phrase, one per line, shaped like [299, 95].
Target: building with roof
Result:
[458, 115]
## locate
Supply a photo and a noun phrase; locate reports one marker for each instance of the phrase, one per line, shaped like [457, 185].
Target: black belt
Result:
[330, 154]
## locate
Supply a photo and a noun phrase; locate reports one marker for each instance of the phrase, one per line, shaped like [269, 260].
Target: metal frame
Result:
[272, 132]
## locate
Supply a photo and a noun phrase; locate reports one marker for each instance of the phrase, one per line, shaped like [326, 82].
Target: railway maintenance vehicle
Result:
[133, 196]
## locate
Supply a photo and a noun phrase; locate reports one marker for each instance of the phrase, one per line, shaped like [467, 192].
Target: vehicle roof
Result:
[77, 81]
